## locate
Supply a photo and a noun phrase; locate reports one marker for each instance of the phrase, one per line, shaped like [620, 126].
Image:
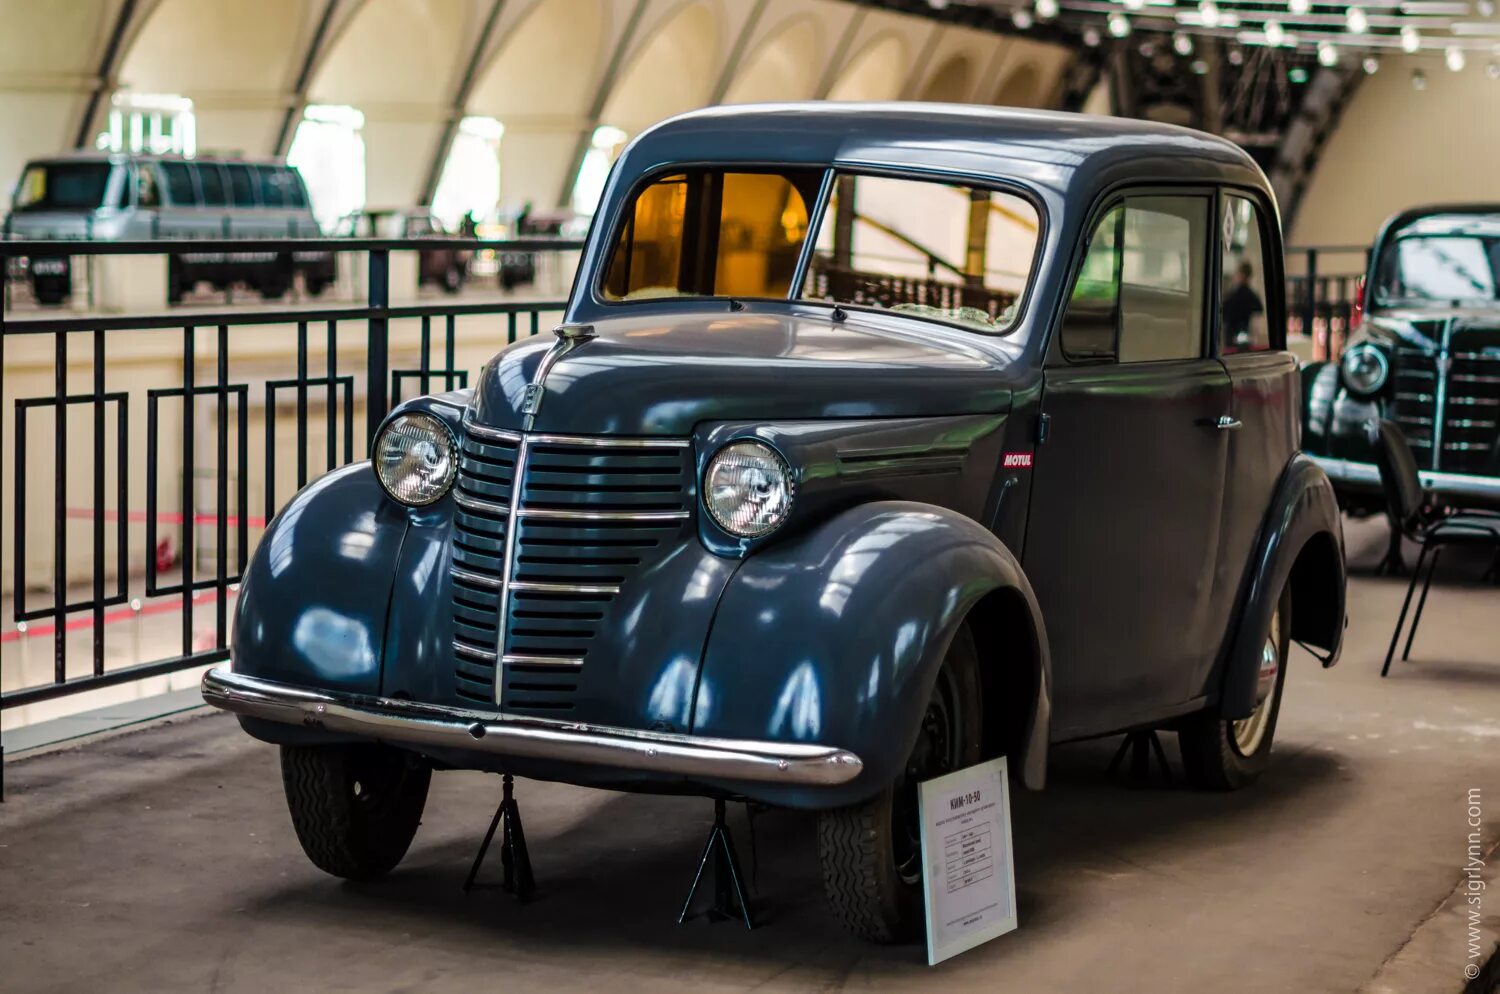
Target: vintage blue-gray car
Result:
[878, 440]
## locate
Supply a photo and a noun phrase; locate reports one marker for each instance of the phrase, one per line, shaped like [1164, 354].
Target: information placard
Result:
[970, 872]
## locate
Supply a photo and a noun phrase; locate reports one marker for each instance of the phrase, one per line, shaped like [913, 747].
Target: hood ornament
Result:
[569, 337]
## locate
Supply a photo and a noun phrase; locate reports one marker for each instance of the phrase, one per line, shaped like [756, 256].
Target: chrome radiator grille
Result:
[1448, 406]
[548, 530]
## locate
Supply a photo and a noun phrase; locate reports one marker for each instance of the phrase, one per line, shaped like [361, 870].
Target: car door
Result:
[1266, 389]
[1123, 538]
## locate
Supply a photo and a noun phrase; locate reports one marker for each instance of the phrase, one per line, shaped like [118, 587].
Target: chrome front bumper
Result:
[1365, 476]
[407, 723]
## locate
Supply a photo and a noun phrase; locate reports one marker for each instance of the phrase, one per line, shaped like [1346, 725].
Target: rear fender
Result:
[1301, 541]
[836, 637]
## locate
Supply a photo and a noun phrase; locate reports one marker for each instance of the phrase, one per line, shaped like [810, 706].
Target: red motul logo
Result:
[1016, 460]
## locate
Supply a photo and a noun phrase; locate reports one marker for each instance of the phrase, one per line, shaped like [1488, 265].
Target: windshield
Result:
[63, 186]
[937, 250]
[1448, 268]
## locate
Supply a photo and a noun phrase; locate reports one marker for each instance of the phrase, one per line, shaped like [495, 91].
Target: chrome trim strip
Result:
[594, 442]
[1367, 475]
[502, 611]
[478, 579]
[493, 434]
[1440, 403]
[414, 725]
[475, 504]
[468, 650]
[562, 662]
[565, 588]
[558, 515]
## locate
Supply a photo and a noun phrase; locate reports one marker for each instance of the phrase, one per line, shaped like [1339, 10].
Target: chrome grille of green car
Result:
[1449, 407]
[592, 512]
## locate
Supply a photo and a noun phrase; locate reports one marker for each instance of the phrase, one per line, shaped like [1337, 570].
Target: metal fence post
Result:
[377, 355]
[1310, 300]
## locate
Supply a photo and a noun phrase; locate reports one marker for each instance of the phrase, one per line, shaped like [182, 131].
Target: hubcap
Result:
[1248, 733]
[936, 752]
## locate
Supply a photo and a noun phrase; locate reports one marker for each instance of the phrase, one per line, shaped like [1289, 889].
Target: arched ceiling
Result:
[364, 69]
[784, 67]
[522, 82]
[876, 73]
[674, 71]
[170, 54]
[1021, 87]
[952, 82]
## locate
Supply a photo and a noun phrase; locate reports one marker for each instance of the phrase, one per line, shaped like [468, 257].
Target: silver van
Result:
[130, 197]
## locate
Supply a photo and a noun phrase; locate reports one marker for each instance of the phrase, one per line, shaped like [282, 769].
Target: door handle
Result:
[1227, 423]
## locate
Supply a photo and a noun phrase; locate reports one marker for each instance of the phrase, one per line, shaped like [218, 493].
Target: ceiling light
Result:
[1418, 79]
[1485, 8]
[1356, 21]
[1046, 9]
[1182, 43]
[1327, 55]
[1493, 70]
[1091, 36]
[1455, 58]
[1119, 25]
[1209, 11]
[1021, 18]
[1236, 57]
[1298, 7]
[1410, 39]
[1134, 4]
[1371, 65]
[1274, 35]
[1199, 67]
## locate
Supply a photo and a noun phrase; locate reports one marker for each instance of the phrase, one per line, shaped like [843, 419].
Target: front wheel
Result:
[872, 852]
[355, 807]
[1220, 754]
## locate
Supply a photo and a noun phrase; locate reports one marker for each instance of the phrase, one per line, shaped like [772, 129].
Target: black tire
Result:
[355, 807]
[871, 852]
[1212, 756]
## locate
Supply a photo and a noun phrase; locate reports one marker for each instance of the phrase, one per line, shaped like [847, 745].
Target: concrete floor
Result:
[164, 860]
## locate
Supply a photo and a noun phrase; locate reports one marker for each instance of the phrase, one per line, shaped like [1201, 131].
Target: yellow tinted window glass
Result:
[709, 233]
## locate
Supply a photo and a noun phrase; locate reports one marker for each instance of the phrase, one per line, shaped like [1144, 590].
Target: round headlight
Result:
[747, 487]
[416, 459]
[1364, 368]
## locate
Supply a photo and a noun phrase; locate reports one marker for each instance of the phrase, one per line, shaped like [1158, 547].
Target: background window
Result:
[1242, 286]
[711, 233]
[179, 183]
[1139, 294]
[951, 252]
[241, 185]
[212, 183]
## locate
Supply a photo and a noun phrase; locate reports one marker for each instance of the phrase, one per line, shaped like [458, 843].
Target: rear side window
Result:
[211, 182]
[179, 183]
[272, 186]
[1139, 294]
[241, 185]
[1242, 285]
[291, 186]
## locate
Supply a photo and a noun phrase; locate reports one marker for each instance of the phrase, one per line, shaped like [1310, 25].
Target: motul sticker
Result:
[1016, 460]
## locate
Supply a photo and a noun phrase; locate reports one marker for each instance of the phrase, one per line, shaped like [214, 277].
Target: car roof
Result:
[1465, 219]
[1080, 154]
[88, 155]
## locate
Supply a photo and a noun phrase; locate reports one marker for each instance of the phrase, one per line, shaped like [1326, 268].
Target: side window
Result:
[241, 185]
[270, 187]
[1242, 287]
[146, 194]
[291, 187]
[179, 180]
[211, 181]
[1139, 294]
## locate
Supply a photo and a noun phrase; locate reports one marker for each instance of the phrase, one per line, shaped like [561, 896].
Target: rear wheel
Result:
[1221, 754]
[871, 852]
[355, 807]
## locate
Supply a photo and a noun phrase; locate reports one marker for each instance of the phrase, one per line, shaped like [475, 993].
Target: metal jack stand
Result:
[1141, 744]
[729, 892]
[513, 853]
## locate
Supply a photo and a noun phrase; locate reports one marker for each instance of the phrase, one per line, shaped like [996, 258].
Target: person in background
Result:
[1240, 307]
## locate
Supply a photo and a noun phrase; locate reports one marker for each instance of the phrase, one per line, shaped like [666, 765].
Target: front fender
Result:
[1302, 541]
[836, 636]
[312, 607]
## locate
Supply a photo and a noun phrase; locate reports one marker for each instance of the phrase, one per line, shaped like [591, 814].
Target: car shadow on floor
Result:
[616, 878]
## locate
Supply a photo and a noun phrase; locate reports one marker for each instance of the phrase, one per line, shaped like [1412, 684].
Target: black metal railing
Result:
[1322, 294]
[108, 522]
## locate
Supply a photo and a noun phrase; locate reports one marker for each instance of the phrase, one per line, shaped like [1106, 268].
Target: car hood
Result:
[664, 374]
[1470, 328]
